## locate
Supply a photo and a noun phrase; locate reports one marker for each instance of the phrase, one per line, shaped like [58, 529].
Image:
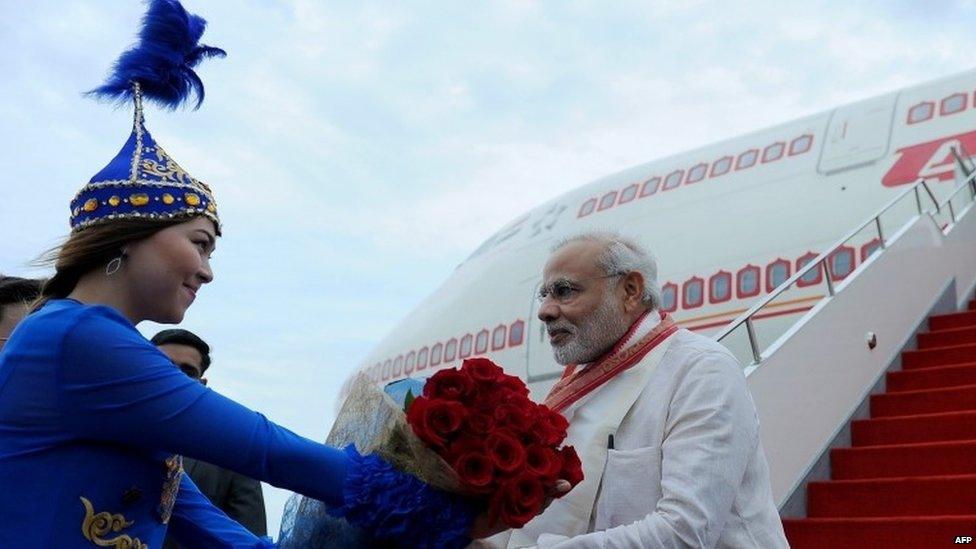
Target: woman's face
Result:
[164, 272]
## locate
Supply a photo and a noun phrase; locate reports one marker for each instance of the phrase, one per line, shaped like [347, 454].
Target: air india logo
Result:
[932, 160]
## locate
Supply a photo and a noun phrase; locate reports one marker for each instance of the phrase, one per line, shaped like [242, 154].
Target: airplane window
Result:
[669, 297]
[720, 287]
[481, 343]
[673, 179]
[498, 337]
[587, 208]
[450, 350]
[422, 358]
[650, 186]
[870, 248]
[813, 276]
[515, 333]
[777, 273]
[466, 346]
[628, 194]
[398, 366]
[721, 166]
[747, 159]
[747, 281]
[435, 354]
[692, 293]
[841, 263]
[801, 144]
[773, 152]
[386, 369]
[608, 200]
[953, 104]
[921, 112]
[697, 173]
[409, 363]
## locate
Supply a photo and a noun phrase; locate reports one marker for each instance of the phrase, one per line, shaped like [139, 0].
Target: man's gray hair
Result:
[622, 255]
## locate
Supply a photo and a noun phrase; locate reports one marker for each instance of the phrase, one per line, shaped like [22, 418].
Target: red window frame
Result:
[847, 250]
[801, 262]
[769, 269]
[782, 151]
[680, 175]
[468, 342]
[794, 150]
[450, 350]
[503, 329]
[908, 117]
[644, 193]
[738, 281]
[728, 168]
[583, 211]
[481, 343]
[704, 173]
[674, 304]
[516, 333]
[623, 194]
[422, 356]
[755, 160]
[409, 363]
[965, 104]
[685, 304]
[728, 281]
[436, 354]
[612, 195]
[866, 246]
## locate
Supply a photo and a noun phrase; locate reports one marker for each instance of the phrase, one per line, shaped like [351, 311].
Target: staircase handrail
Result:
[822, 262]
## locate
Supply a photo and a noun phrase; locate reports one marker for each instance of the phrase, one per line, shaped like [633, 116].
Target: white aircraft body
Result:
[727, 222]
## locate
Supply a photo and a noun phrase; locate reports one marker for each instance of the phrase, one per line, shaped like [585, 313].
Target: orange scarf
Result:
[572, 387]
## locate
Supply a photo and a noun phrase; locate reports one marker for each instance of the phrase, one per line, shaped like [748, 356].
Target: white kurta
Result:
[687, 469]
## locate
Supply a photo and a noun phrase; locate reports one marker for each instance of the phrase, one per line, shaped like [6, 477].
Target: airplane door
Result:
[858, 134]
[541, 366]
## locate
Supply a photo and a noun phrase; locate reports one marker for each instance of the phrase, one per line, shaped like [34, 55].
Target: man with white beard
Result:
[661, 417]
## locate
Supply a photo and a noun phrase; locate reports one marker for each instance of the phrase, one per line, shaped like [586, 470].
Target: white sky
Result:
[359, 151]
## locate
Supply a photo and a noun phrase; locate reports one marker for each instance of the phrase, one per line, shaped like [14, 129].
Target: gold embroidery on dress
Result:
[97, 525]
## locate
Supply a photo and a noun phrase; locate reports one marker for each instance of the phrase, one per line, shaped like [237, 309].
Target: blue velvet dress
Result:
[93, 419]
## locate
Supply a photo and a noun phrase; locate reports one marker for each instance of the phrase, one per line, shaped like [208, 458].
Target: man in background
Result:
[235, 494]
[16, 294]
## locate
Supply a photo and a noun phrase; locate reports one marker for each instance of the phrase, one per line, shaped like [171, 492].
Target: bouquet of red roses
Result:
[503, 447]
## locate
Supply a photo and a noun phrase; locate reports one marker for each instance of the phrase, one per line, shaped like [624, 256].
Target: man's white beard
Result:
[595, 335]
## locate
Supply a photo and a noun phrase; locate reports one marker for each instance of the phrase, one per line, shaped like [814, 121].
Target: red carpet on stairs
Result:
[909, 480]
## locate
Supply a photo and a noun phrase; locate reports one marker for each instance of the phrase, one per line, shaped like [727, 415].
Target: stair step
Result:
[878, 533]
[927, 401]
[931, 378]
[940, 356]
[896, 497]
[946, 338]
[959, 426]
[904, 460]
[952, 320]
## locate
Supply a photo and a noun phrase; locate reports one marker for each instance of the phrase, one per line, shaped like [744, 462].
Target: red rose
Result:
[480, 423]
[551, 426]
[435, 420]
[449, 385]
[544, 462]
[517, 501]
[475, 471]
[463, 444]
[506, 452]
[512, 416]
[482, 370]
[572, 469]
[515, 385]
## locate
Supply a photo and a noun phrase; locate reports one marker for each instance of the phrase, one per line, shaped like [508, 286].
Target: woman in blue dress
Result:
[94, 419]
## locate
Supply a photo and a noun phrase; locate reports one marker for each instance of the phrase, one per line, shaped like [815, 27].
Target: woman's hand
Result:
[482, 528]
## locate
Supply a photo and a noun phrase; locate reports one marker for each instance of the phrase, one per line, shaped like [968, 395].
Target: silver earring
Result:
[113, 266]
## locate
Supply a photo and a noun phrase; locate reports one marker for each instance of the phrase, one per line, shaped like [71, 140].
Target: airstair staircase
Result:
[867, 403]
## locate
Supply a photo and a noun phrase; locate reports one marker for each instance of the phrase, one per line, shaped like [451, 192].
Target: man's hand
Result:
[483, 529]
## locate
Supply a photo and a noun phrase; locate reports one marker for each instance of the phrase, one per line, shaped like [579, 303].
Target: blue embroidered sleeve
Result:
[196, 522]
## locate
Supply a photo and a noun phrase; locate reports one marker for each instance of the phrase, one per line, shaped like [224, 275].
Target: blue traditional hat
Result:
[143, 181]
